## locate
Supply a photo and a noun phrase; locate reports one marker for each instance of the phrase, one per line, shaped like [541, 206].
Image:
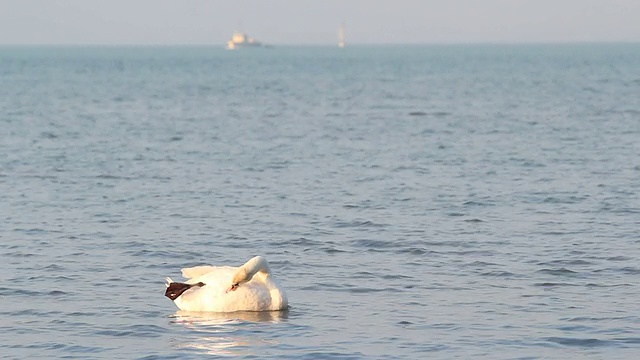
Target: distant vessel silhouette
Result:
[241, 40]
[341, 42]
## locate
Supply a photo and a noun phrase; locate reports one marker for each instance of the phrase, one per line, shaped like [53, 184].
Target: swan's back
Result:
[194, 272]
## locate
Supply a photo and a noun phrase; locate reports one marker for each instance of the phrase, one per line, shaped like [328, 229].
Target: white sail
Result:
[341, 41]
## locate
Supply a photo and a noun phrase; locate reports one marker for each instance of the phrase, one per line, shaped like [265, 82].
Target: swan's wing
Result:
[258, 294]
[197, 271]
[214, 296]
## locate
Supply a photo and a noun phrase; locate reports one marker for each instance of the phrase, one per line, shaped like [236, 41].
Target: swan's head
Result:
[242, 276]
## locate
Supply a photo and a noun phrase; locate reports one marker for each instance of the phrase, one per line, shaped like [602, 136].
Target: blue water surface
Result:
[415, 201]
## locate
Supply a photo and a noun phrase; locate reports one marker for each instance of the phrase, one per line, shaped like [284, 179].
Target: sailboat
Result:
[341, 42]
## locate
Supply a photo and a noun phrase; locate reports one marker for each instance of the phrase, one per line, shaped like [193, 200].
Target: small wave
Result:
[324, 287]
[479, 263]
[362, 290]
[406, 199]
[79, 313]
[395, 277]
[598, 319]
[59, 346]
[48, 135]
[47, 345]
[473, 220]
[580, 328]
[143, 331]
[151, 253]
[358, 223]
[31, 231]
[619, 258]
[565, 262]
[553, 284]
[456, 214]
[629, 270]
[472, 252]
[13, 292]
[57, 293]
[433, 113]
[53, 267]
[631, 340]
[32, 312]
[332, 355]
[364, 275]
[606, 285]
[112, 177]
[302, 241]
[478, 203]
[498, 273]
[557, 272]
[579, 342]
[333, 250]
[19, 254]
[372, 244]
[564, 200]
[443, 243]
[415, 251]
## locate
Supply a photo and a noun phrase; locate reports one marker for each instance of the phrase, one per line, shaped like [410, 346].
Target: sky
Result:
[308, 22]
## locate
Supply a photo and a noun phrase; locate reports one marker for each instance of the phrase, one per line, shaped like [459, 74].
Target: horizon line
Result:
[355, 44]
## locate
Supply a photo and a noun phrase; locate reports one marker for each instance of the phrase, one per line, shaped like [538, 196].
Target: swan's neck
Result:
[246, 272]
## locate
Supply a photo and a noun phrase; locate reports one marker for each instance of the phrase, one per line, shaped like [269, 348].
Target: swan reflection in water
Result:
[227, 333]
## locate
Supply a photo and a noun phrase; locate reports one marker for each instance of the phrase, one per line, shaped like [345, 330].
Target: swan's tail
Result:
[175, 289]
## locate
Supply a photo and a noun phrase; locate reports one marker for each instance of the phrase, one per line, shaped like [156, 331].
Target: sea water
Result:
[415, 201]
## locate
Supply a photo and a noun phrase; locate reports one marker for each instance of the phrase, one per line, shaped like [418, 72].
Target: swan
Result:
[250, 287]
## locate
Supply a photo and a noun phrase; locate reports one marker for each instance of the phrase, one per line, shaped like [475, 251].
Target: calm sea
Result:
[416, 202]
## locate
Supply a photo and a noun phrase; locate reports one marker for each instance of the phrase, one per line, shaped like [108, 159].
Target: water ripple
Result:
[405, 222]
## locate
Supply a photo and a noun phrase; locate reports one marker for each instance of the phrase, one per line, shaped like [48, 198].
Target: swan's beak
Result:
[233, 287]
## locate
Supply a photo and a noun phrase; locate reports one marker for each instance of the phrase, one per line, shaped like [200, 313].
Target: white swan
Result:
[249, 287]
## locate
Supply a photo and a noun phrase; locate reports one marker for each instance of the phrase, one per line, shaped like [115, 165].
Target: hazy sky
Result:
[317, 21]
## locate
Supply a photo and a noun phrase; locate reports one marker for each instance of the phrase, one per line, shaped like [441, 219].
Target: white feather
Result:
[257, 289]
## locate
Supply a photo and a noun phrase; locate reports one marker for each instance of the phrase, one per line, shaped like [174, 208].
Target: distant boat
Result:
[241, 40]
[341, 42]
